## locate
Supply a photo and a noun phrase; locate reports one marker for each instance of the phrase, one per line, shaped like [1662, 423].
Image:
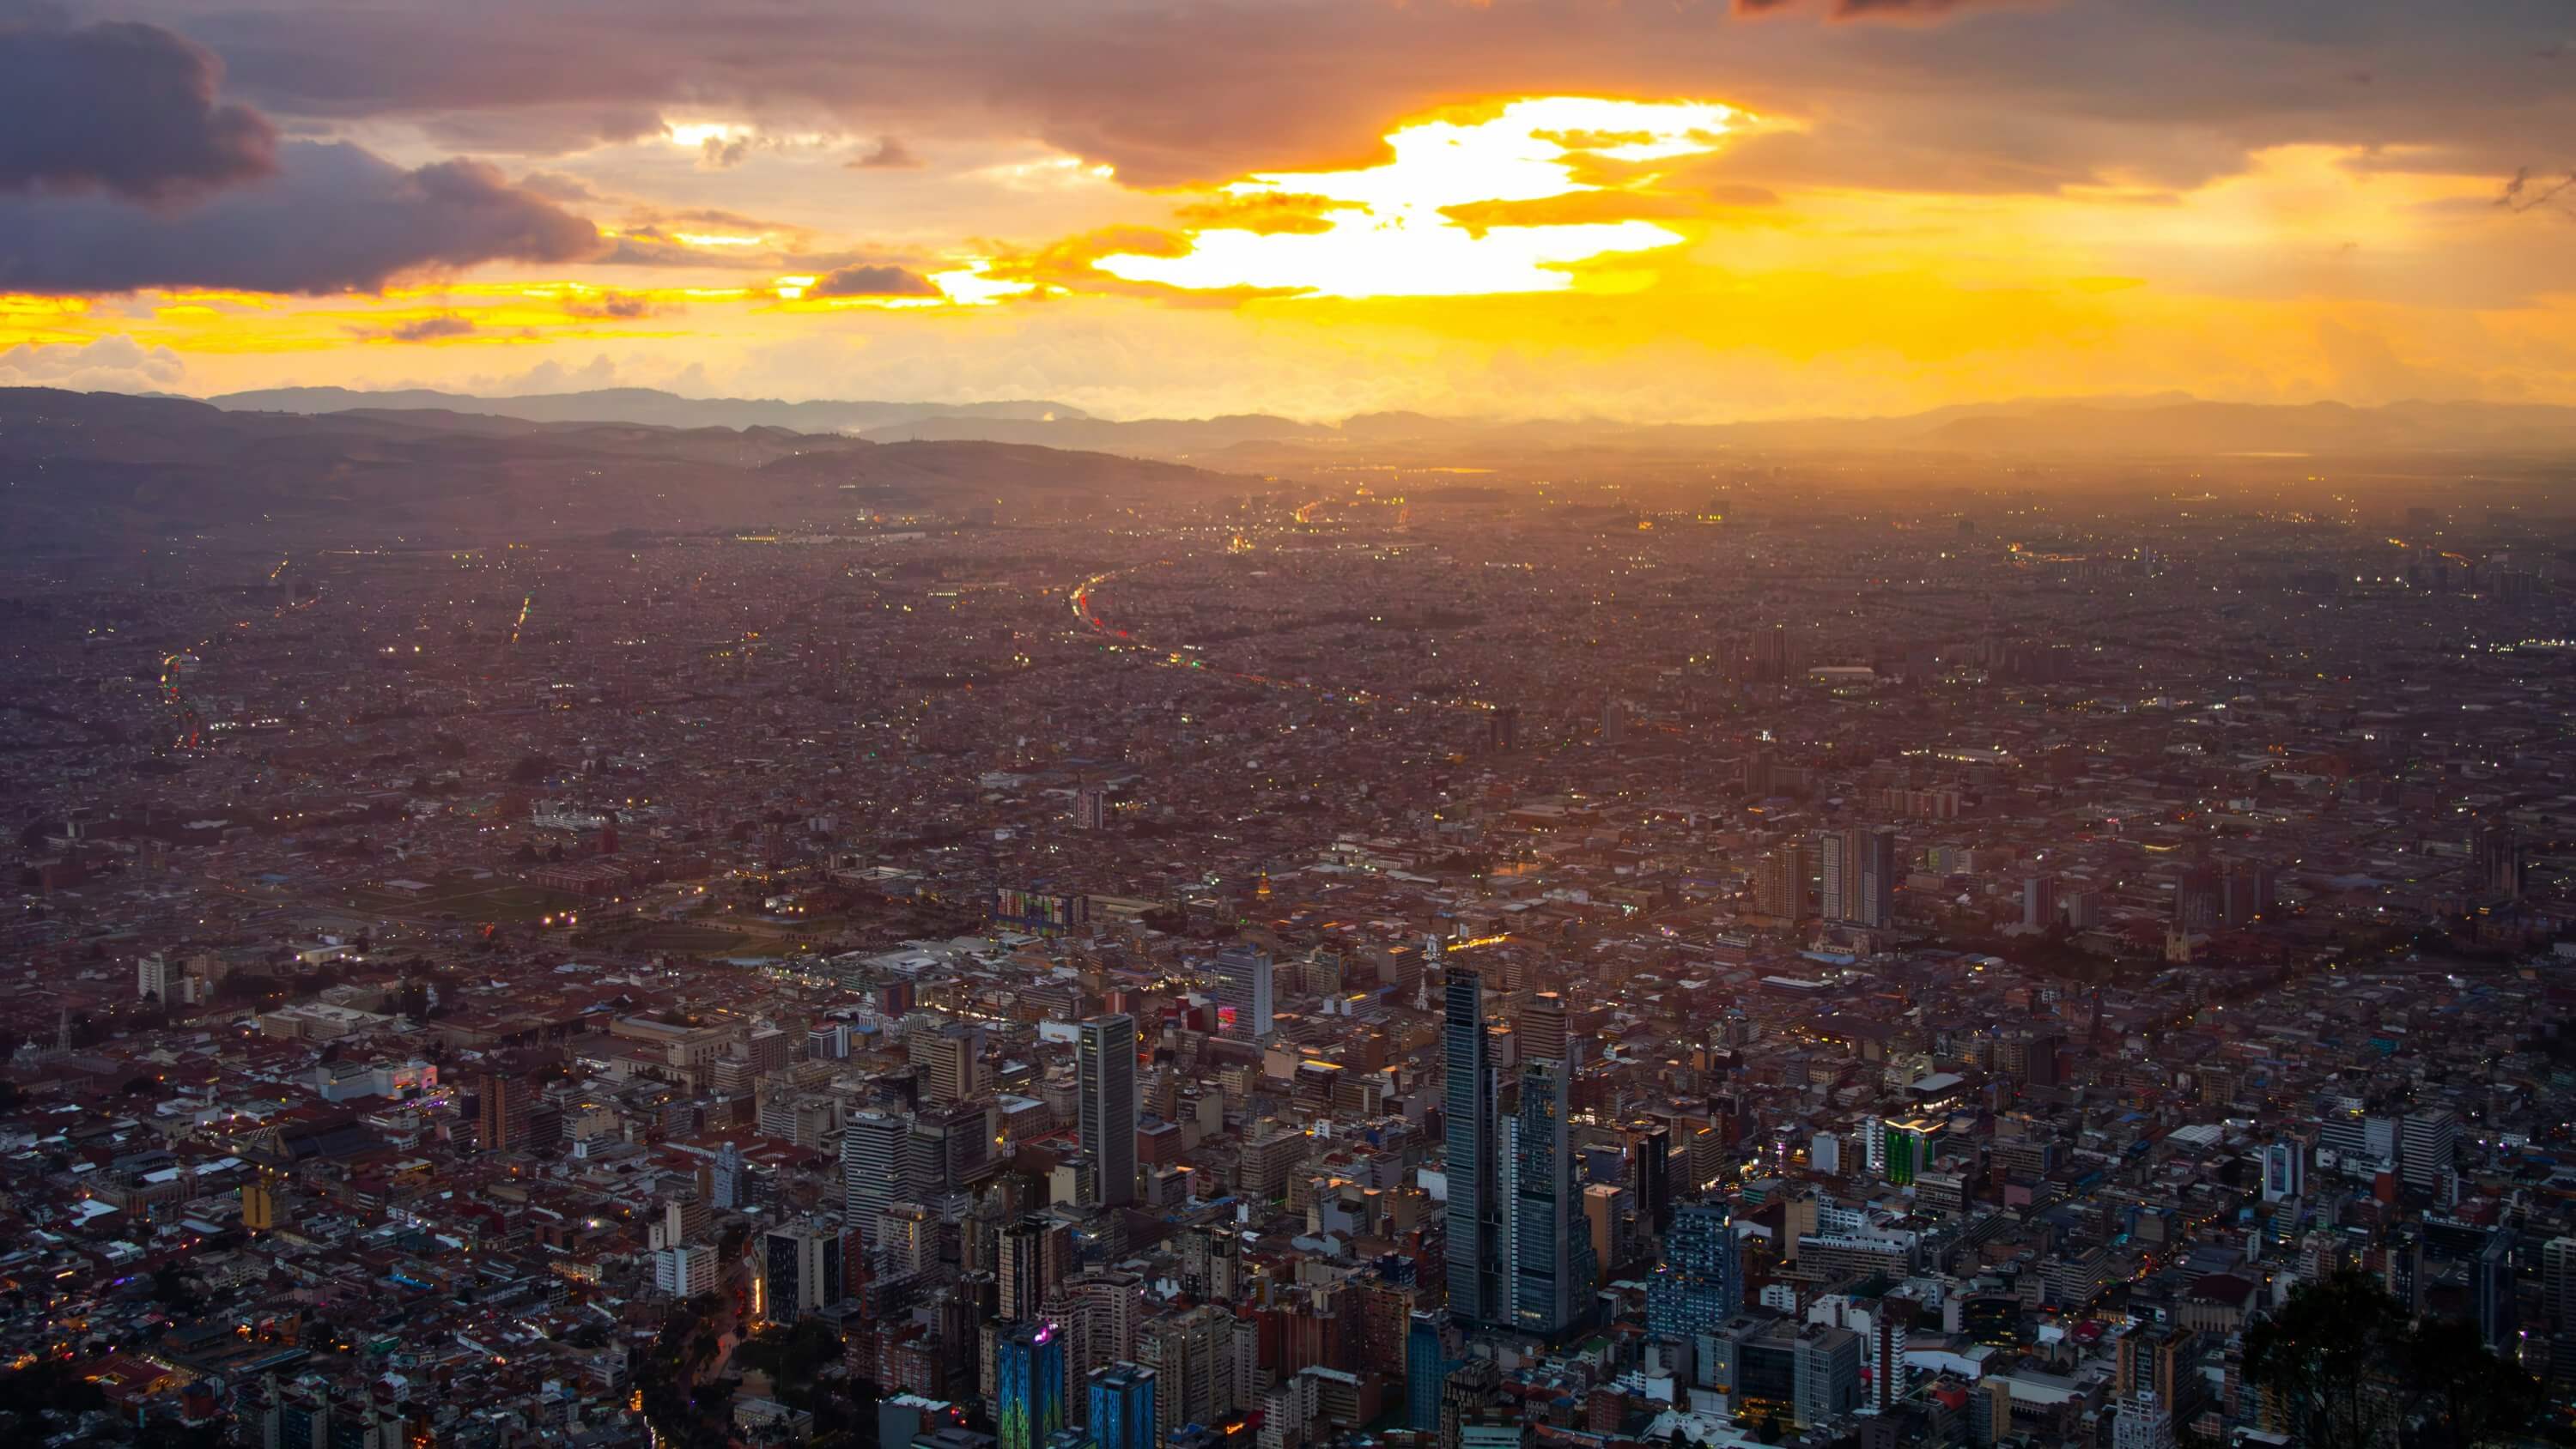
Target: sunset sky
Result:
[1655, 209]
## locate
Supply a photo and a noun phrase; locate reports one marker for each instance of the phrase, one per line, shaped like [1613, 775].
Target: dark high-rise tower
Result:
[1105, 1056]
[1874, 902]
[1552, 1266]
[1475, 1217]
[502, 1122]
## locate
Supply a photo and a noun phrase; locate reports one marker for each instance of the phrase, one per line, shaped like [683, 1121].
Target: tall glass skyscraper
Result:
[1551, 1244]
[1475, 1228]
[1699, 1285]
[1105, 1061]
[1028, 1374]
[1122, 1408]
[1426, 1368]
[1243, 990]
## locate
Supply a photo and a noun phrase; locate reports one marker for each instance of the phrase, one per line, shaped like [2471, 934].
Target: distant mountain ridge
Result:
[91, 469]
[2163, 424]
[648, 406]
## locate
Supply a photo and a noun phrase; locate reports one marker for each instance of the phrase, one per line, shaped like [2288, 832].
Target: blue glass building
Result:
[1426, 1369]
[1029, 1374]
[1122, 1407]
[1699, 1285]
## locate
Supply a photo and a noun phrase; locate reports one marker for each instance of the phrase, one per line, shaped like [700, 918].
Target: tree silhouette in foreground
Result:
[2350, 1371]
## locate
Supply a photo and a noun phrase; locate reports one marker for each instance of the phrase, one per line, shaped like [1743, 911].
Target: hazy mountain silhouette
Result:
[638, 405]
[96, 468]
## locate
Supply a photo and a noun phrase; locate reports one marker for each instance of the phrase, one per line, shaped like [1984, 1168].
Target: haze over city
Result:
[1295, 724]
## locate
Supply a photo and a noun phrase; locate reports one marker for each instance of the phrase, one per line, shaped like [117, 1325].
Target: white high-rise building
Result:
[873, 1153]
[1825, 1154]
[2143, 1423]
[684, 1270]
[2430, 1144]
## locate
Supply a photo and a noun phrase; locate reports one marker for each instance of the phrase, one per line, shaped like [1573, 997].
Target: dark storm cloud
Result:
[333, 218]
[873, 281]
[123, 108]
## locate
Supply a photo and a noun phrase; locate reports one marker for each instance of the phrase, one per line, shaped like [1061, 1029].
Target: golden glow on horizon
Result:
[1560, 255]
[1390, 230]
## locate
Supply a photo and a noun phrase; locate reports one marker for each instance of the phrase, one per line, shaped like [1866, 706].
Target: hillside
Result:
[638, 405]
[93, 469]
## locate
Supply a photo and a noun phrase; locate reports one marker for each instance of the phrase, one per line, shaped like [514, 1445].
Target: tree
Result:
[2353, 1373]
[2471, 1396]
[2329, 1355]
[173, 1289]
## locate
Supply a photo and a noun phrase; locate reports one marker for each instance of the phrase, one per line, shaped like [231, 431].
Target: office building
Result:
[1699, 1285]
[728, 1181]
[1243, 991]
[1105, 1062]
[1826, 1368]
[2198, 902]
[1471, 1159]
[1650, 1173]
[1836, 874]
[1204, 1361]
[1780, 881]
[952, 1064]
[1121, 1412]
[157, 977]
[2039, 902]
[874, 1152]
[2491, 1296]
[1552, 1269]
[1028, 1378]
[1898, 1150]
[907, 1240]
[1034, 1257]
[2495, 861]
[2430, 1145]
[505, 1103]
[684, 1270]
[1891, 1333]
[2158, 1361]
[2558, 1283]
[1875, 872]
[2285, 1169]
[1428, 1357]
[1538, 1028]
[2144, 1422]
[264, 1202]
[802, 1270]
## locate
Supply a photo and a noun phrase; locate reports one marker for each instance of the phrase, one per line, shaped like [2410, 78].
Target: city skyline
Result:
[1287, 724]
